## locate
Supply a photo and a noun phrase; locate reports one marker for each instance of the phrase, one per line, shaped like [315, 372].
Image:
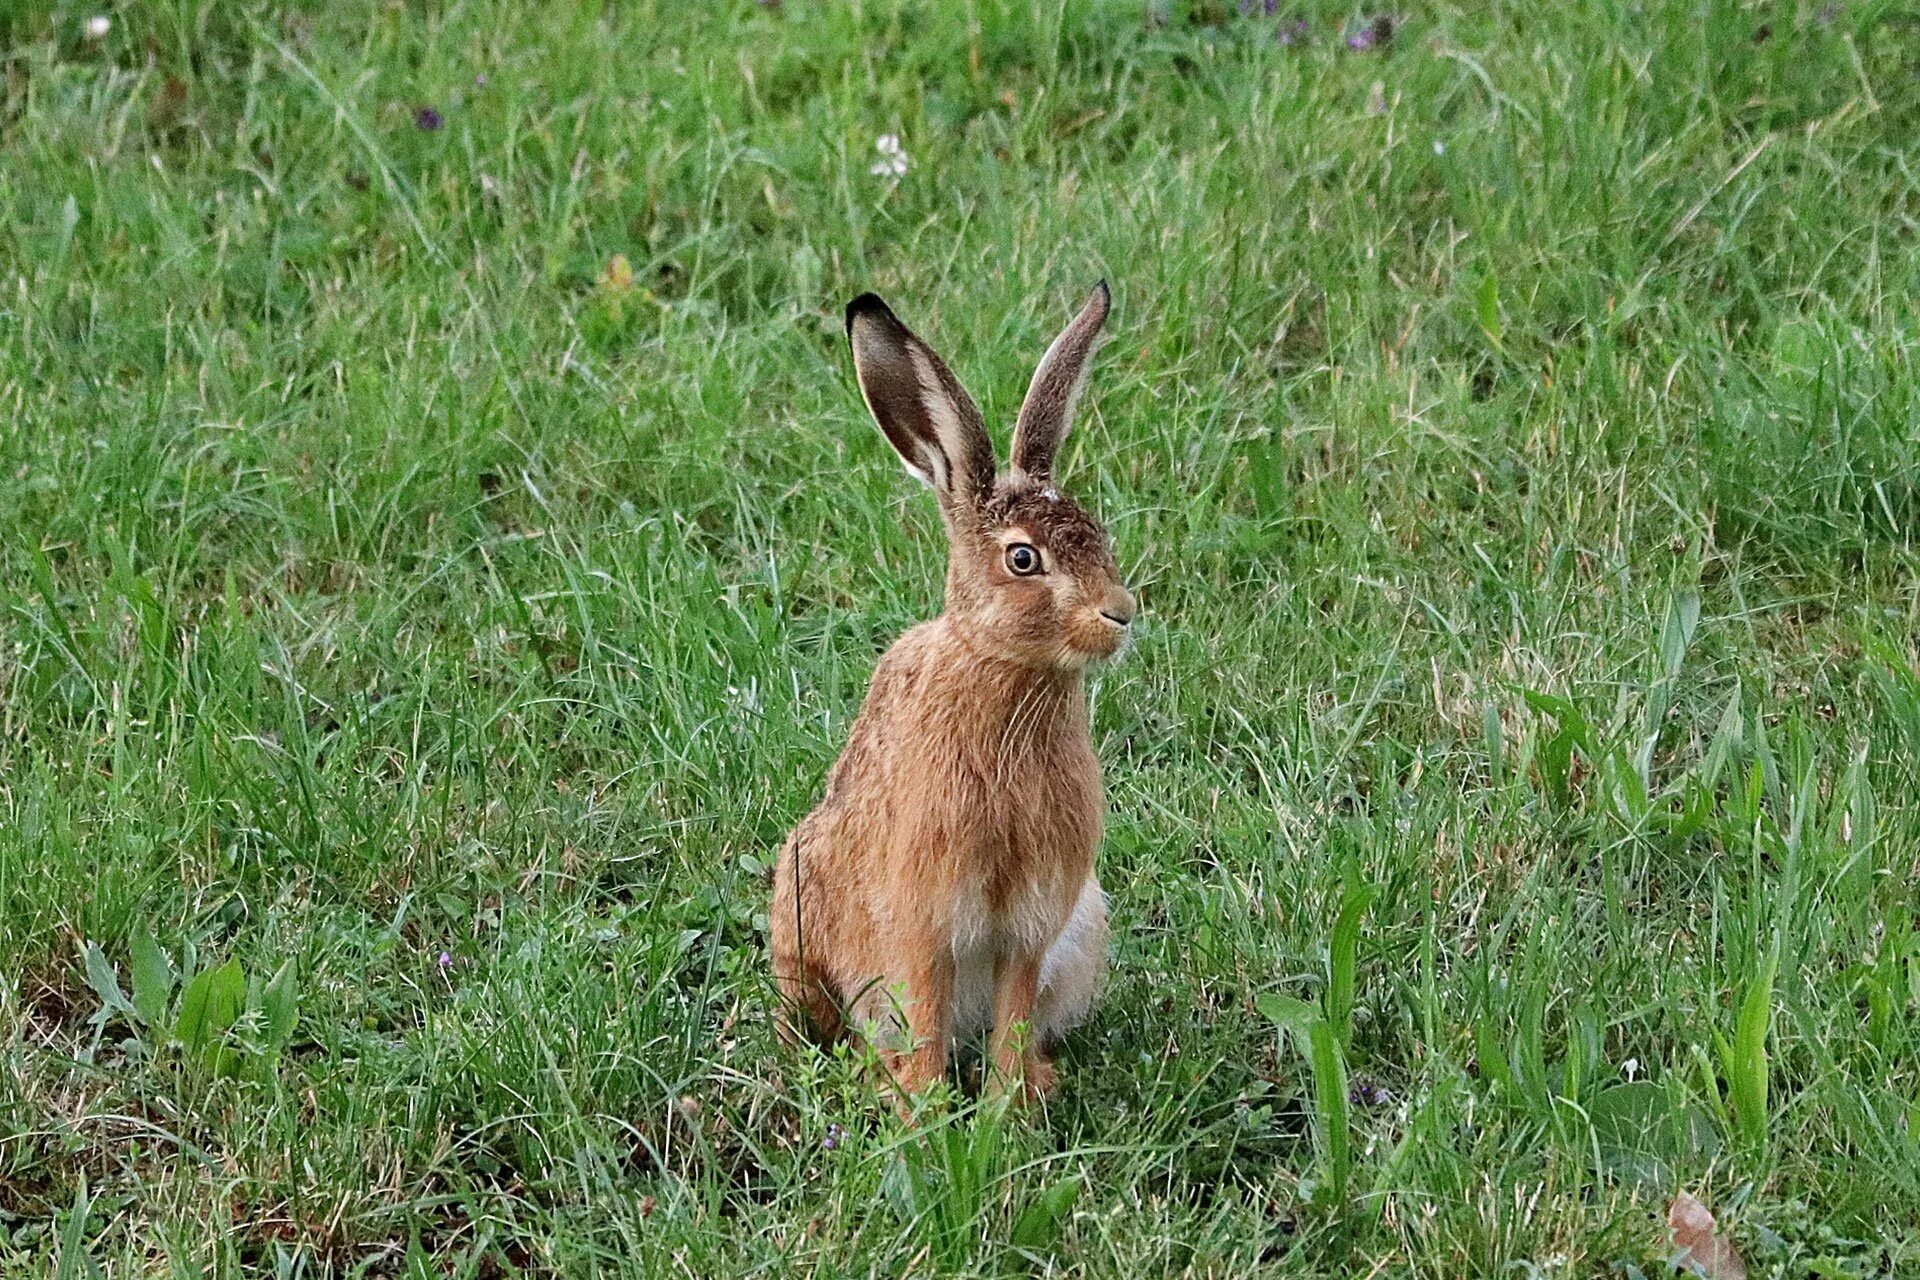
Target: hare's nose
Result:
[1117, 608]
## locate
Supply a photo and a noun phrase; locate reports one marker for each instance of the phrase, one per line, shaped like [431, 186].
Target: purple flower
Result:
[1365, 1093]
[1291, 31]
[427, 119]
[445, 961]
[835, 1136]
[1374, 35]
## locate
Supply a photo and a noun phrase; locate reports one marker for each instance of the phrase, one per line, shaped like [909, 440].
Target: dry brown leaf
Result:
[1702, 1249]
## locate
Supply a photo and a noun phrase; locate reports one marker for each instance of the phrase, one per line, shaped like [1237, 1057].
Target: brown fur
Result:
[952, 855]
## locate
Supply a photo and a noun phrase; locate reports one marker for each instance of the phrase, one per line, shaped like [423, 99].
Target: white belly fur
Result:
[1069, 972]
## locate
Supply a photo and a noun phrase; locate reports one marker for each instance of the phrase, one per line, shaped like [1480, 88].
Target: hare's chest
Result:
[1013, 906]
[1031, 846]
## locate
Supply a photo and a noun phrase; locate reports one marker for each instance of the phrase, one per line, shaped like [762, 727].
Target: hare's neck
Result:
[996, 687]
[1033, 690]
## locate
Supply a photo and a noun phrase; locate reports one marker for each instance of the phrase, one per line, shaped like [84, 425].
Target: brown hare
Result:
[945, 884]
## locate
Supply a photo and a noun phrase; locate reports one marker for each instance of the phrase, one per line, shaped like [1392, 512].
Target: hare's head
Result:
[1032, 575]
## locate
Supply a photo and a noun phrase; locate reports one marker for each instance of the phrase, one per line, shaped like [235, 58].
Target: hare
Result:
[945, 885]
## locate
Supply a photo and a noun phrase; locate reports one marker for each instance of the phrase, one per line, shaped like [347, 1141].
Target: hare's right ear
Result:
[925, 412]
[1047, 412]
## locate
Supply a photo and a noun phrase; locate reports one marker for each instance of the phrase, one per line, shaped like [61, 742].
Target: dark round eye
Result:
[1023, 560]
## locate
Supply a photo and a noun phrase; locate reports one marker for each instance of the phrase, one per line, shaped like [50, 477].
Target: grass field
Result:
[442, 550]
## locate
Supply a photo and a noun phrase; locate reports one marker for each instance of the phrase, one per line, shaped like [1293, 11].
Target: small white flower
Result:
[98, 26]
[1630, 1068]
[893, 160]
[1439, 147]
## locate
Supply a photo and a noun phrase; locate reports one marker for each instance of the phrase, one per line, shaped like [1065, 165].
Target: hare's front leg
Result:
[920, 1013]
[1014, 1048]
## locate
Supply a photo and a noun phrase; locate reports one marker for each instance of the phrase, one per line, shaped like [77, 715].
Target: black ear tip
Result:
[1100, 287]
[867, 304]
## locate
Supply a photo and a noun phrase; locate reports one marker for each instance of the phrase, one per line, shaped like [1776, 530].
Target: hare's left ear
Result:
[1047, 413]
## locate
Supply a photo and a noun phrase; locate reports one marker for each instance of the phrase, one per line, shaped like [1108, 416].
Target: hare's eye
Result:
[1022, 560]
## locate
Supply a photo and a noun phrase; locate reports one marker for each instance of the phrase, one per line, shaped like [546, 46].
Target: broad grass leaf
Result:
[281, 1005]
[1562, 710]
[104, 981]
[208, 1009]
[1486, 306]
[153, 979]
[1040, 1223]
[75, 1263]
[1341, 961]
[1683, 616]
[1331, 1106]
[1491, 1057]
[1556, 766]
[1745, 1059]
[1294, 1017]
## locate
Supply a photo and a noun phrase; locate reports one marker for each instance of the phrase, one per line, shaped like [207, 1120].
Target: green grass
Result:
[1513, 432]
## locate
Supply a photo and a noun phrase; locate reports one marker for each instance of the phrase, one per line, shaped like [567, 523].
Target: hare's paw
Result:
[1038, 1080]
